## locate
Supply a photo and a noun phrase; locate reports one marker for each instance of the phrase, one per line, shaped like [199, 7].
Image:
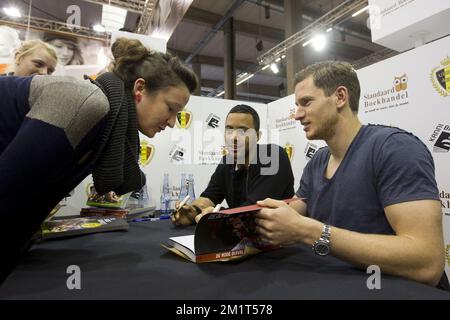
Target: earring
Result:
[138, 97]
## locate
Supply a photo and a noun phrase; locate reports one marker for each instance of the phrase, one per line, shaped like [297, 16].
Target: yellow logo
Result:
[184, 119]
[401, 83]
[91, 225]
[447, 254]
[146, 154]
[223, 151]
[292, 113]
[440, 77]
[289, 148]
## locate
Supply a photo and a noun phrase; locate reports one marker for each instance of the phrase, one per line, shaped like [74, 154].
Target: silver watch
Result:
[322, 246]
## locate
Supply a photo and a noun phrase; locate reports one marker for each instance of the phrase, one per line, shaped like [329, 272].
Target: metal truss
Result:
[146, 16]
[52, 26]
[136, 6]
[326, 21]
[143, 7]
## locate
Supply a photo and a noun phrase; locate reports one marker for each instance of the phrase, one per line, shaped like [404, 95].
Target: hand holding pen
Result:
[206, 211]
[184, 214]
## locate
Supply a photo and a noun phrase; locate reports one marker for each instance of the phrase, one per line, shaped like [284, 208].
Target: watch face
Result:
[322, 248]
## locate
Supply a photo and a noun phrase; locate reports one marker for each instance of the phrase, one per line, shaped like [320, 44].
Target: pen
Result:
[182, 203]
[145, 219]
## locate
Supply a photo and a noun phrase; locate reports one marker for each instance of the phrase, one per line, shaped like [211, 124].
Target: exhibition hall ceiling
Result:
[259, 26]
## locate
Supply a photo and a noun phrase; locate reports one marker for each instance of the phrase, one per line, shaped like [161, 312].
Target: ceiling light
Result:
[319, 42]
[99, 28]
[329, 29]
[220, 94]
[245, 79]
[265, 67]
[359, 11]
[307, 42]
[274, 68]
[12, 12]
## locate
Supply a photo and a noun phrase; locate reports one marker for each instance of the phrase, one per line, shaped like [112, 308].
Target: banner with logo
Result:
[412, 91]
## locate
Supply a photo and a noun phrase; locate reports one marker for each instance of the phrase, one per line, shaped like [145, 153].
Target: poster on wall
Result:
[70, 50]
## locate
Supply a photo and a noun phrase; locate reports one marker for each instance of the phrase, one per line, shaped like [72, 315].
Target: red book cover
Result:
[222, 236]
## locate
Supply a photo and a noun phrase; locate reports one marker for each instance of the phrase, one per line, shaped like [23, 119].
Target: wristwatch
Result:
[322, 246]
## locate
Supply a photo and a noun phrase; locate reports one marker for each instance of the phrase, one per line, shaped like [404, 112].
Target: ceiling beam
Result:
[210, 60]
[206, 18]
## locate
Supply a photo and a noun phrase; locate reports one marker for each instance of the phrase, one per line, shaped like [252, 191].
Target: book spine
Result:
[220, 256]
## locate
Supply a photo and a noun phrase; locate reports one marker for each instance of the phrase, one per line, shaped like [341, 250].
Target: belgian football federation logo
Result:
[440, 77]
[184, 119]
[224, 151]
[289, 148]
[146, 154]
[447, 254]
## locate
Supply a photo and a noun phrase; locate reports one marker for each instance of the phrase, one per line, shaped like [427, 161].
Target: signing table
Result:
[133, 265]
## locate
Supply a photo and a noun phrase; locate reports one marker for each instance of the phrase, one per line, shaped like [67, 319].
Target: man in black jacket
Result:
[248, 173]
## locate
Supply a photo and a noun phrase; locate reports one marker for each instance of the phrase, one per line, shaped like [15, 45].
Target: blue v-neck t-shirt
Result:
[383, 166]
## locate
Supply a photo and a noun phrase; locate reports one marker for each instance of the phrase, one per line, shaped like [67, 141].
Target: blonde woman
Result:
[33, 57]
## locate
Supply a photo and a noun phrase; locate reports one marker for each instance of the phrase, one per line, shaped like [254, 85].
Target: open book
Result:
[222, 236]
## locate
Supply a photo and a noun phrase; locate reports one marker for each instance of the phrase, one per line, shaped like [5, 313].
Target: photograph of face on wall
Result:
[70, 50]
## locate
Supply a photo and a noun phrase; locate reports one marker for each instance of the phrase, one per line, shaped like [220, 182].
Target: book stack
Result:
[113, 205]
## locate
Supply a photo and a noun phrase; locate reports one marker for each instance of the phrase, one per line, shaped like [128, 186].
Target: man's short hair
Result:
[243, 108]
[328, 75]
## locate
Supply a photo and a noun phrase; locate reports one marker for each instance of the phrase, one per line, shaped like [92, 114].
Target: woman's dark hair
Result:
[159, 70]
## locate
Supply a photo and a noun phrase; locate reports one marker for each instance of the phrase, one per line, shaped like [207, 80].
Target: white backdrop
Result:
[200, 144]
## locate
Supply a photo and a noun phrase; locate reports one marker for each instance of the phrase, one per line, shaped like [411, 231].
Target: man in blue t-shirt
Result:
[370, 197]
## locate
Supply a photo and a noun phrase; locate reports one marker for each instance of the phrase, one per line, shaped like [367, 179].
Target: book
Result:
[222, 236]
[127, 213]
[109, 200]
[62, 227]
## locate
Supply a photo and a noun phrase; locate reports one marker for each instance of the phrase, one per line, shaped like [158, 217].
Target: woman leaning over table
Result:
[55, 131]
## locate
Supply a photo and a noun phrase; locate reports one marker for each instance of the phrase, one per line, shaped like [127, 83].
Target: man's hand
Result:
[184, 216]
[280, 224]
[204, 211]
